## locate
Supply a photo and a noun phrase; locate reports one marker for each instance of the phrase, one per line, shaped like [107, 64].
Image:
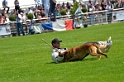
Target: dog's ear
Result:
[109, 38]
[109, 41]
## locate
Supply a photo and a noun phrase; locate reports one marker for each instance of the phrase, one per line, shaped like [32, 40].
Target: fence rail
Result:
[89, 18]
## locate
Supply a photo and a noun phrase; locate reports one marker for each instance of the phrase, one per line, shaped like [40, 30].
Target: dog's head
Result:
[105, 45]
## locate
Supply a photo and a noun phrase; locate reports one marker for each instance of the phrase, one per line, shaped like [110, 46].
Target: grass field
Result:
[28, 59]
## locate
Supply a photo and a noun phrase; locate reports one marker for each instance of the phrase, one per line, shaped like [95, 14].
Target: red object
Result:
[69, 24]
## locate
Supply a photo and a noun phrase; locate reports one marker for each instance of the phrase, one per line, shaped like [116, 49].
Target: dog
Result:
[94, 48]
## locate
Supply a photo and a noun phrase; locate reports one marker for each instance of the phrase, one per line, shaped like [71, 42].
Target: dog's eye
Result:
[108, 41]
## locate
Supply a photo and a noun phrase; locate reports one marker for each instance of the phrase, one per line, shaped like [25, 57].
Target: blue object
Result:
[47, 26]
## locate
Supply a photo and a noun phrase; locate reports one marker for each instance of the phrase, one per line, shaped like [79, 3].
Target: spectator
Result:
[122, 2]
[1, 11]
[98, 7]
[17, 7]
[58, 12]
[42, 12]
[96, 2]
[31, 27]
[38, 3]
[39, 15]
[109, 7]
[4, 13]
[46, 6]
[6, 19]
[118, 4]
[91, 8]
[90, 3]
[68, 5]
[113, 1]
[103, 5]
[52, 9]
[19, 23]
[35, 12]
[100, 14]
[92, 15]
[1, 19]
[67, 12]
[83, 5]
[29, 11]
[24, 17]
[63, 5]
[5, 5]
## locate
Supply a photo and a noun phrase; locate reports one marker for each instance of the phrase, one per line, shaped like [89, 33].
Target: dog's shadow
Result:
[51, 63]
[86, 59]
[90, 59]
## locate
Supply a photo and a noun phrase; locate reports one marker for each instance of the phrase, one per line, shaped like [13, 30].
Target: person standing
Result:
[38, 3]
[92, 14]
[19, 27]
[99, 15]
[110, 8]
[103, 4]
[52, 10]
[17, 7]
[5, 5]
[46, 5]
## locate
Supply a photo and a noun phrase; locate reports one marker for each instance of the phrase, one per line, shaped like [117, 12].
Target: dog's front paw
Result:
[100, 57]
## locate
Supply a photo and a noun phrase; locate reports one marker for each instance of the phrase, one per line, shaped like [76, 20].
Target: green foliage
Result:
[28, 59]
[12, 18]
[63, 12]
[30, 16]
[75, 7]
[84, 10]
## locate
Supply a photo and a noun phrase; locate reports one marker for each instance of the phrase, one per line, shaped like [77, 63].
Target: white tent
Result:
[61, 1]
[30, 2]
[71, 1]
[22, 2]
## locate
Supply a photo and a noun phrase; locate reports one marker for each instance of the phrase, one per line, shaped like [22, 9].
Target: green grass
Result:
[28, 59]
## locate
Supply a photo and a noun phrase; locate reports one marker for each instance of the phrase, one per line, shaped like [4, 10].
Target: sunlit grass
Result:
[28, 59]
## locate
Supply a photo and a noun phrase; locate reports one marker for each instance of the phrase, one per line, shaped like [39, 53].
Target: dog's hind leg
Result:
[85, 56]
[93, 52]
[73, 58]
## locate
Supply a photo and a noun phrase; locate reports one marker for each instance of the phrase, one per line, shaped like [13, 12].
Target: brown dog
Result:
[80, 52]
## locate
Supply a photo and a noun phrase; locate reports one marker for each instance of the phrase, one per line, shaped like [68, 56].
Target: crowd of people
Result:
[50, 8]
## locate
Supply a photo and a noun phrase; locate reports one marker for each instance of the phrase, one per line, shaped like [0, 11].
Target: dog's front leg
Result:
[100, 52]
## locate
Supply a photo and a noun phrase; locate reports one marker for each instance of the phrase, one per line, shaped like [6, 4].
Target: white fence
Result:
[5, 30]
[103, 17]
